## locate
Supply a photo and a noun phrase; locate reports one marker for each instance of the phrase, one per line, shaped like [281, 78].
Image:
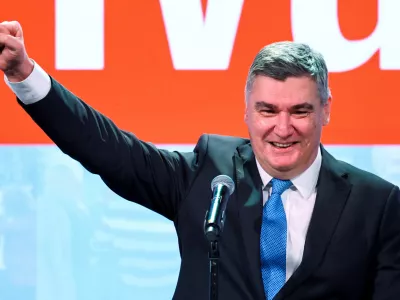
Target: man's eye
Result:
[267, 112]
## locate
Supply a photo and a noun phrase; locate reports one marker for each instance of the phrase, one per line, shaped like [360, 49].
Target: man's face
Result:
[285, 120]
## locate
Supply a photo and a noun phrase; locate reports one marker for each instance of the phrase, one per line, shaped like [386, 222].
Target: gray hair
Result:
[281, 60]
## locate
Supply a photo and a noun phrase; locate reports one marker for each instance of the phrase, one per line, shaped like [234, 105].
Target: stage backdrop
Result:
[167, 70]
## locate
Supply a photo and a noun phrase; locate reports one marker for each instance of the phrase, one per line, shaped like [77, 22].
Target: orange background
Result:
[141, 92]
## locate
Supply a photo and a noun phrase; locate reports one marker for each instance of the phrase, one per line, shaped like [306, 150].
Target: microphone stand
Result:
[213, 255]
[222, 187]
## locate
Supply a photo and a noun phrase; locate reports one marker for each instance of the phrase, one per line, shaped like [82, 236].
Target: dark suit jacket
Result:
[352, 248]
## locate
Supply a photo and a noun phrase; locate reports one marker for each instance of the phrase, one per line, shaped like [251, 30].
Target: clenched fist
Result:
[14, 61]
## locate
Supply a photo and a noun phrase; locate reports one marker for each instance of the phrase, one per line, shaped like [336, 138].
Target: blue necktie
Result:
[273, 240]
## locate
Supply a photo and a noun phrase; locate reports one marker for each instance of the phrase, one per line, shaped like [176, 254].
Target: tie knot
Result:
[279, 185]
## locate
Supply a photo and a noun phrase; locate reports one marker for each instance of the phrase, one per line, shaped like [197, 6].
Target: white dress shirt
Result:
[298, 202]
[34, 88]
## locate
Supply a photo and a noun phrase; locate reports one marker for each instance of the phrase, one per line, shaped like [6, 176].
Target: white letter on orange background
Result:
[198, 43]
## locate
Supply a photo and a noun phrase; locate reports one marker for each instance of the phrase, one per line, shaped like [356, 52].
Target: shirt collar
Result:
[305, 183]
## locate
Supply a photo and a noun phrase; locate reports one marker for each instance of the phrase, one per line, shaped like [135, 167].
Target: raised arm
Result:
[137, 171]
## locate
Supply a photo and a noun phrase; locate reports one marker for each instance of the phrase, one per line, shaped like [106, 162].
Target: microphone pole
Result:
[222, 187]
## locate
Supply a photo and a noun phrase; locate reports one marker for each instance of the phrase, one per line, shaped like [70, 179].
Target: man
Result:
[300, 224]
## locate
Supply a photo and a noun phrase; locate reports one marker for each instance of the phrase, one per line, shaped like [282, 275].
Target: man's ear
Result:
[245, 117]
[327, 112]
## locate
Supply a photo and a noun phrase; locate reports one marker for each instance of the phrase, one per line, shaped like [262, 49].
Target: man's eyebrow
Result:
[265, 105]
[304, 105]
[261, 104]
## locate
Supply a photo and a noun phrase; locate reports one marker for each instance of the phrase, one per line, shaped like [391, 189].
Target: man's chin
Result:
[284, 164]
[283, 160]
[284, 167]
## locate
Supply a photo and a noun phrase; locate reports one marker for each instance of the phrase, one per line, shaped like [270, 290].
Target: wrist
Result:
[21, 72]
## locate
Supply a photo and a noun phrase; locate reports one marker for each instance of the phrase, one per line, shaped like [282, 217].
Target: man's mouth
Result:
[282, 145]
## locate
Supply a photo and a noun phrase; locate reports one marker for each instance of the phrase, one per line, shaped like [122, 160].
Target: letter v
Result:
[198, 43]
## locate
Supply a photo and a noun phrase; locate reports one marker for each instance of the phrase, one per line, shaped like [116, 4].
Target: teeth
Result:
[282, 145]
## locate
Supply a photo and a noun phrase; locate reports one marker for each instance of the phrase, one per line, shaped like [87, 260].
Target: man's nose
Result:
[283, 127]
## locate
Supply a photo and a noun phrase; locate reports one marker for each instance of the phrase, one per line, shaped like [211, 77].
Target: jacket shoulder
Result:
[360, 177]
[214, 144]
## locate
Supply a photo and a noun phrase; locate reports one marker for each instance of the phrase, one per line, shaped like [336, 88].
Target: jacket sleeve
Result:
[387, 279]
[137, 171]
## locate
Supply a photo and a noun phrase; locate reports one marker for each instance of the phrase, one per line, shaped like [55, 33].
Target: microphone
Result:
[222, 187]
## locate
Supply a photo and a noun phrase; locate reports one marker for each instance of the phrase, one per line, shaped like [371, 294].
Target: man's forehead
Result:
[293, 91]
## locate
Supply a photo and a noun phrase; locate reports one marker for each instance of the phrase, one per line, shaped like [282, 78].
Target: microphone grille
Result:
[225, 180]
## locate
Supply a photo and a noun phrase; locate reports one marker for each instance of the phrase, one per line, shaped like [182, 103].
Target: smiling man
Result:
[299, 225]
[285, 118]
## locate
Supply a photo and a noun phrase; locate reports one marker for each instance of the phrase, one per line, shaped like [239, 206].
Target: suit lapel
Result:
[332, 193]
[249, 200]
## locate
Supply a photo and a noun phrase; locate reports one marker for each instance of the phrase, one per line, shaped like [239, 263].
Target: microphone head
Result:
[225, 180]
